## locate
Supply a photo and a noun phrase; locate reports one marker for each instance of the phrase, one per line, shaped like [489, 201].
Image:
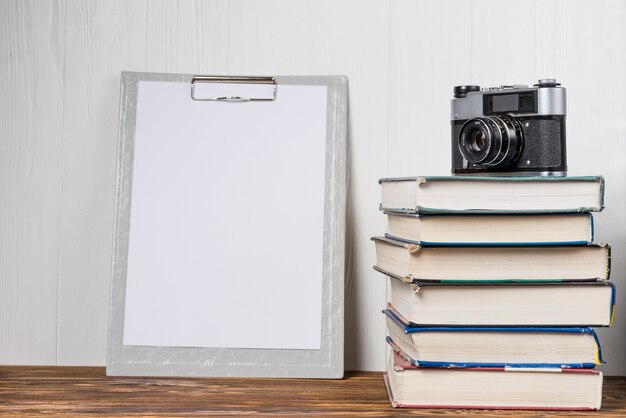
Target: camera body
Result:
[509, 130]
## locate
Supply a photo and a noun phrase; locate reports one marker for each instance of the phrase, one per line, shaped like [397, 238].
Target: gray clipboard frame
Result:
[326, 362]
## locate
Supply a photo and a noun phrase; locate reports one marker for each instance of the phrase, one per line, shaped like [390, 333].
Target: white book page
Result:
[227, 216]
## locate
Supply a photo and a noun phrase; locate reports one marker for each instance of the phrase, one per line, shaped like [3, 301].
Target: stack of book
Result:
[495, 283]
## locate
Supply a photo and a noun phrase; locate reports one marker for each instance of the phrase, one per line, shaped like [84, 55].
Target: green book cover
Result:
[486, 194]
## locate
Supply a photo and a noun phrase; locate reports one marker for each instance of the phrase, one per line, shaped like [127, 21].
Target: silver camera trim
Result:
[514, 173]
[550, 102]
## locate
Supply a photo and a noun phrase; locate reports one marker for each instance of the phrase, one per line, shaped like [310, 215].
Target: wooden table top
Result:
[87, 390]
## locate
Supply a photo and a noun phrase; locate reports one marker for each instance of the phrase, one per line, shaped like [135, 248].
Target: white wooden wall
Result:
[59, 87]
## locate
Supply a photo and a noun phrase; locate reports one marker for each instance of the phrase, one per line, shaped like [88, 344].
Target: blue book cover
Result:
[408, 330]
[491, 230]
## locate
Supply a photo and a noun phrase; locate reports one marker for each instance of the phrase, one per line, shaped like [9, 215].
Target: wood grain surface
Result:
[87, 390]
[31, 103]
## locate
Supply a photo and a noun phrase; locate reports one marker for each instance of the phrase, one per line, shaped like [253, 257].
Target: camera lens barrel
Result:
[494, 141]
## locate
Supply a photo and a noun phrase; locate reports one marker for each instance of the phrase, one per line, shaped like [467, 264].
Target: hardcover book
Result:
[495, 263]
[583, 304]
[485, 230]
[541, 347]
[409, 386]
[478, 194]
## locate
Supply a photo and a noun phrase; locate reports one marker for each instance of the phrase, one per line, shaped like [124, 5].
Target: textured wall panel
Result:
[59, 89]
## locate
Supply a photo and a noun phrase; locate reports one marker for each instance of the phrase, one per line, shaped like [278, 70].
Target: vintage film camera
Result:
[509, 130]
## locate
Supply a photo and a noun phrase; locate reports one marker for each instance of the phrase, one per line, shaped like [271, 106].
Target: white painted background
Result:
[59, 88]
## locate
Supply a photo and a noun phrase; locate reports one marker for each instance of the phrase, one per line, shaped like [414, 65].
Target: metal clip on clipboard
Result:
[216, 92]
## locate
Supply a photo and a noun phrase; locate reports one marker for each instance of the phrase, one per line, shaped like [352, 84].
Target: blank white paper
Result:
[227, 220]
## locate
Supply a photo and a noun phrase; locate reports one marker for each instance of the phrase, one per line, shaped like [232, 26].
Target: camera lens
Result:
[478, 141]
[494, 141]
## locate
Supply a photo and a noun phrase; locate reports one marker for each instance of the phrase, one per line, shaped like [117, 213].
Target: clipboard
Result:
[228, 241]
